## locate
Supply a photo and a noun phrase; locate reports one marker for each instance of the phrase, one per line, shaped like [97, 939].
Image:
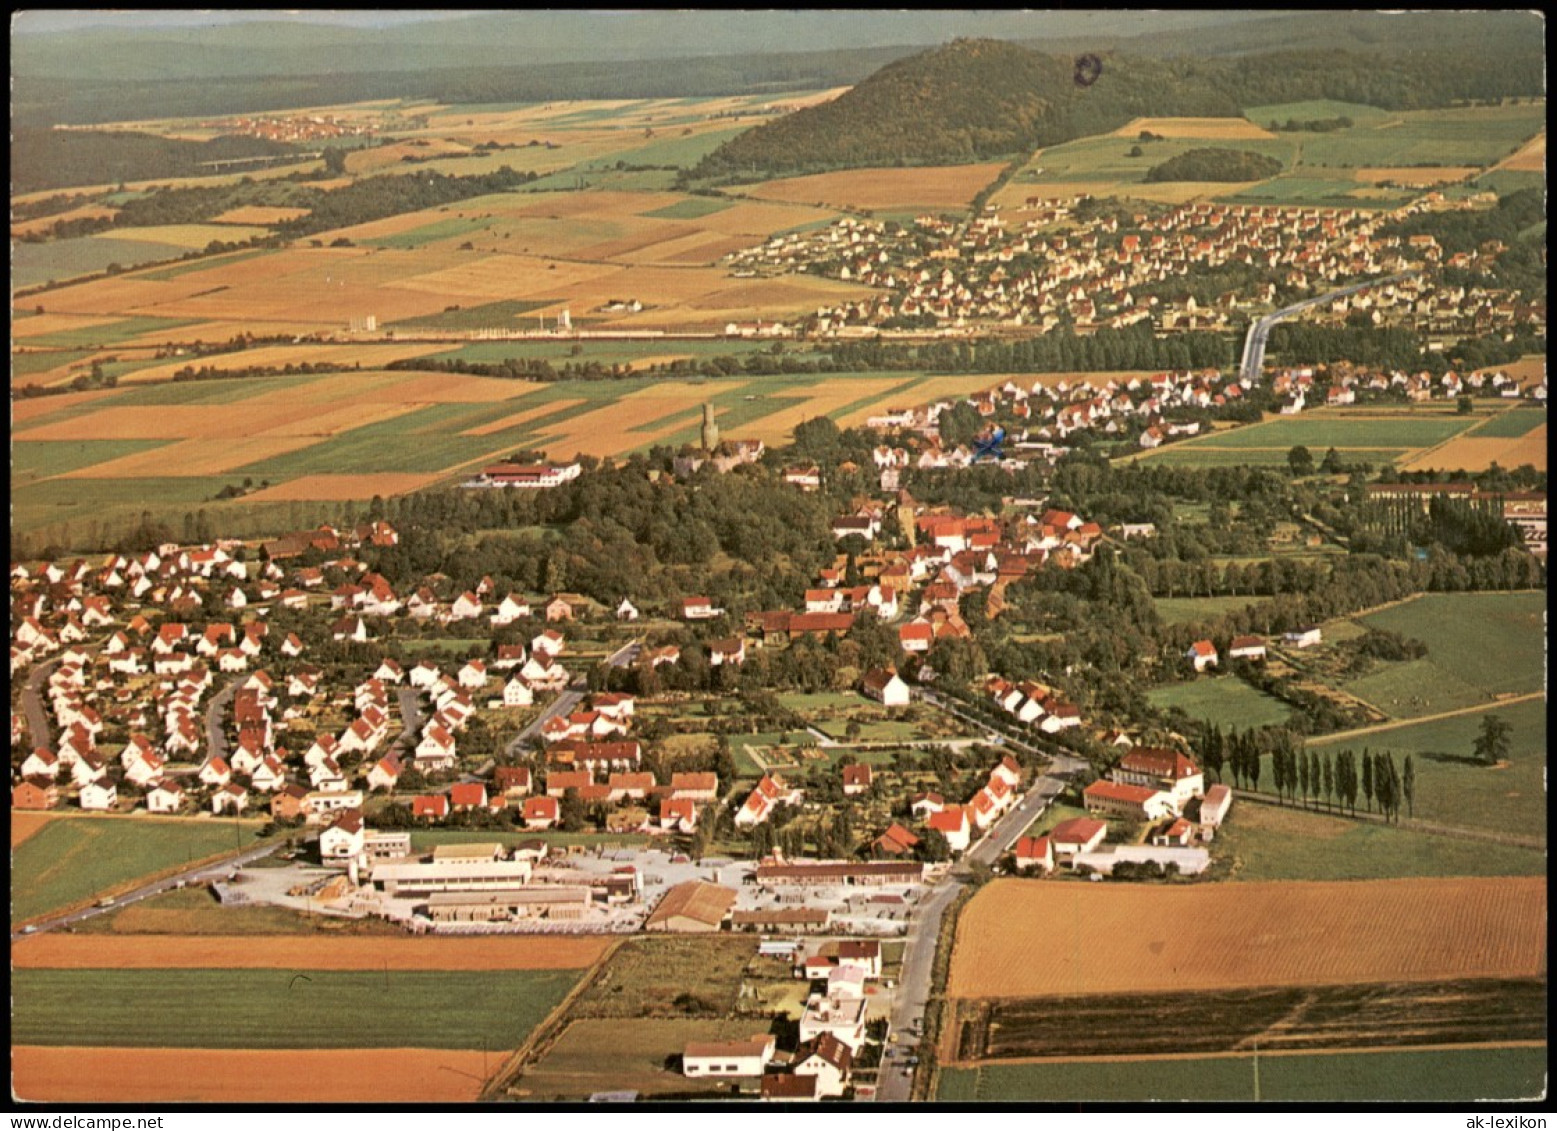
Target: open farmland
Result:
[156, 1076]
[75, 859]
[1226, 701]
[607, 1055]
[1144, 939]
[309, 952]
[1402, 1076]
[944, 187]
[1212, 129]
[35, 263]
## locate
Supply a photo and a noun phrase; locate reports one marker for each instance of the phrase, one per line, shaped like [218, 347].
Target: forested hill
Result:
[976, 98]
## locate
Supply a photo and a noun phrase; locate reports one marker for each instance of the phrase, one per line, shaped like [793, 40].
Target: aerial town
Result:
[730, 603]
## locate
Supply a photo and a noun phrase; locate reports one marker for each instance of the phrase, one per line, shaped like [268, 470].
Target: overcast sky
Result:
[48, 20]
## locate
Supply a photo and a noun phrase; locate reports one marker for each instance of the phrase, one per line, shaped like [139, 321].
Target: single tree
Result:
[1492, 744]
[1303, 772]
[1300, 460]
[1367, 778]
[1408, 786]
[1329, 782]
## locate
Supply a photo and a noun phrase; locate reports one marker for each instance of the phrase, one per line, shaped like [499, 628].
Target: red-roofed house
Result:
[1034, 852]
[1079, 834]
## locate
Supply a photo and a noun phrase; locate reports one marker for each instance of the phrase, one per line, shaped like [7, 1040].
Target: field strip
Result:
[1396, 724]
[1238, 1054]
[195, 459]
[275, 357]
[159, 952]
[66, 1074]
[514, 419]
[24, 824]
[328, 488]
[1144, 939]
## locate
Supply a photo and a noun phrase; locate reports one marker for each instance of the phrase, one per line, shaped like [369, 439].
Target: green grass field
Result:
[690, 209]
[35, 459]
[1424, 1075]
[1305, 187]
[473, 317]
[73, 859]
[450, 228]
[260, 1009]
[1199, 455]
[109, 332]
[26, 364]
[1314, 110]
[58, 260]
[1266, 842]
[1481, 135]
[1107, 158]
[1334, 431]
[1516, 422]
[205, 263]
[1226, 700]
[1184, 610]
[1512, 799]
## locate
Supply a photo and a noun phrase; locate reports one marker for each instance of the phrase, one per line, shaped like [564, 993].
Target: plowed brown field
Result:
[945, 187]
[1024, 939]
[306, 952]
[283, 1076]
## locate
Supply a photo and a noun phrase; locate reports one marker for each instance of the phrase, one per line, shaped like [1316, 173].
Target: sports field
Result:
[72, 860]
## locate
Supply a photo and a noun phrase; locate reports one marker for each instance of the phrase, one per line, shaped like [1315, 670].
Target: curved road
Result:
[569, 699]
[1259, 333]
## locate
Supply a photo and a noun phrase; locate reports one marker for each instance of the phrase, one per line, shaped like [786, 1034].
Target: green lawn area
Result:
[26, 364]
[1512, 799]
[1267, 842]
[1183, 610]
[1303, 188]
[1478, 644]
[35, 459]
[1107, 158]
[1226, 700]
[73, 859]
[1424, 1075]
[283, 1008]
[1321, 432]
[1515, 422]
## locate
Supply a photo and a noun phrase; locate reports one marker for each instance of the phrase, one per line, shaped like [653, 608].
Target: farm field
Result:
[74, 859]
[74, 1074]
[1141, 939]
[1224, 700]
[1451, 792]
[1185, 610]
[209, 1008]
[1320, 430]
[161, 952]
[1268, 842]
[1416, 1075]
[35, 263]
[1190, 454]
[935, 187]
[608, 1055]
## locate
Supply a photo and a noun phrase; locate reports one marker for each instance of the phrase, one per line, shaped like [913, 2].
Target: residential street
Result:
[1259, 332]
[38, 733]
[569, 699]
[215, 710]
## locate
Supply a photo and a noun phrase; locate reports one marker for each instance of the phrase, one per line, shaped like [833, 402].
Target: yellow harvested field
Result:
[494, 277]
[276, 357]
[336, 487]
[193, 458]
[44, 223]
[1424, 175]
[926, 392]
[192, 236]
[513, 420]
[1018, 938]
[1237, 128]
[453, 388]
[58, 951]
[30, 408]
[1478, 453]
[176, 422]
[1527, 370]
[260, 214]
[1529, 158]
[761, 219]
[38, 325]
[950, 186]
[823, 401]
[631, 422]
[24, 824]
[66, 1074]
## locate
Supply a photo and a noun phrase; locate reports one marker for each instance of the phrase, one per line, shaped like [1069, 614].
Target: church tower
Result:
[710, 429]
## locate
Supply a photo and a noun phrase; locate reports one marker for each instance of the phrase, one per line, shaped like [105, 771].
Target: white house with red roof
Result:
[1246, 648]
[952, 823]
[1162, 769]
[1078, 834]
[1034, 853]
[1202, 653]
[1130, 802]
[1213, 809]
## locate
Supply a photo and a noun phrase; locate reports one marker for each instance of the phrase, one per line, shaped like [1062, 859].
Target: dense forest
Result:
[42, 159]
[1215, 164]
[977, 99]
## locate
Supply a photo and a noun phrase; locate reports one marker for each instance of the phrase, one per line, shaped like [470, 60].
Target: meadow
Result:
[57, 260]
[1226, 701]
[74, 859]
[606, 1055]
[1191, 454]
[319, 1009]
[1289, 843]
[1186, 610]
[1319, 432]
[1416, 1075]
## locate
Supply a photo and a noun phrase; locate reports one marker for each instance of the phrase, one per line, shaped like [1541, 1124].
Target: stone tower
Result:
[710, 429]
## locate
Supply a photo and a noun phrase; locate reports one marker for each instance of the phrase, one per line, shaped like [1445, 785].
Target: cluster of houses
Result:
[1050, 267]
[958, 823]
[1203, 654]
[831, 1033]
